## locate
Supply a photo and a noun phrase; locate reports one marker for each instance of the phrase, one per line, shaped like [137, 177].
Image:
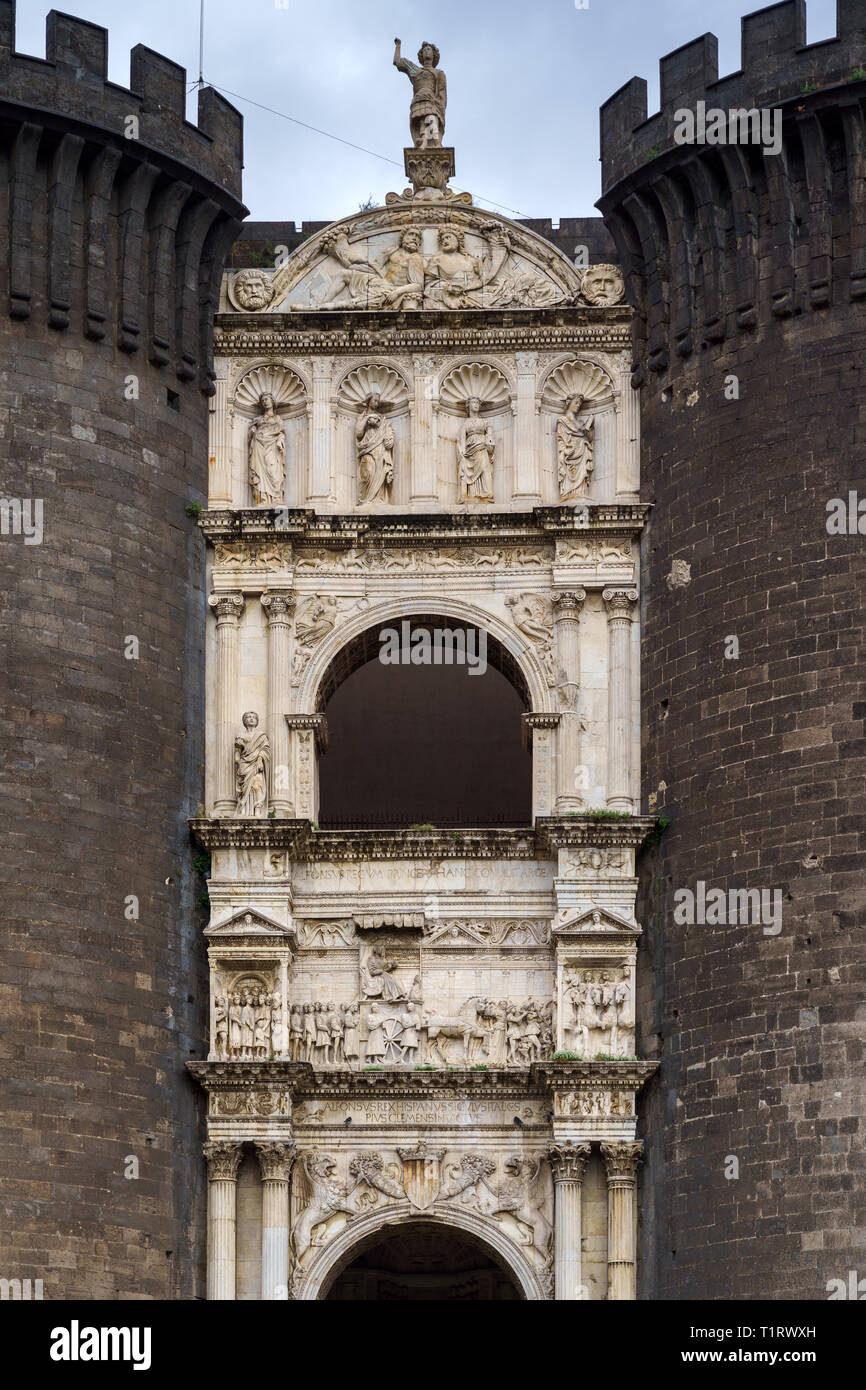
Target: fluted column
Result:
[621, 1165]
[567, 1162]
[424, 430]
[223, 1161]
[279, 608]
[320, 431]
[619, 605]
[220, 452]
[228, 609]
[570, 779]
[527, 470]
[275, 1162]
[627, 432]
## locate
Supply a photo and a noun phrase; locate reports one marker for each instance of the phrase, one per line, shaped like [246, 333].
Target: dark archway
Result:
[417, 744]
[420, 1261]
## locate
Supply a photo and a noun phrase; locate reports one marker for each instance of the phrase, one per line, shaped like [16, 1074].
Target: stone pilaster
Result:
[619, 605]
[228, 609]
[275, 1163]
[319, 415]
[567, 1162]
[527, 470]
[538, 735]
[570, 779]
[424, 432]
[309, 742]
[220, 451]
[279, 608]
[621, 1165]
[223, 1161]
[627, 433]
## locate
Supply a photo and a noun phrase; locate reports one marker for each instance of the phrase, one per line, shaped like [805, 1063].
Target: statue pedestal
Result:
[429, 168]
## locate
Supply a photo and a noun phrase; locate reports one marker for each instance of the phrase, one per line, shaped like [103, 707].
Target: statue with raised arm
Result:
[429, 95]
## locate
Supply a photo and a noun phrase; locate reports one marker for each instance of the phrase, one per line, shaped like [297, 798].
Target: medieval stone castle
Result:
[332, 977]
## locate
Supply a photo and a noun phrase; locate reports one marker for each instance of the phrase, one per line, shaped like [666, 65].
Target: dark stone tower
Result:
[748, 264]
[115, 217]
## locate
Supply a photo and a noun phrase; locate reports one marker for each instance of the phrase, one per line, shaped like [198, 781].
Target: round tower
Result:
[746, 264]
[116, 216]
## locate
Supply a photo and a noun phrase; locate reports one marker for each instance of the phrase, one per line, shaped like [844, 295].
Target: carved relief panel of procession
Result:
[482, 994]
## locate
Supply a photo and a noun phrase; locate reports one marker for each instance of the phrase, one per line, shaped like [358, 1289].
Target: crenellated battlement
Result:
[777, 66]
[726, 230]
[120, 212]
[72, 79]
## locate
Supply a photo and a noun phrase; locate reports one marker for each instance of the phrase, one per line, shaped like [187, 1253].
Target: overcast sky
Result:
[525, 81]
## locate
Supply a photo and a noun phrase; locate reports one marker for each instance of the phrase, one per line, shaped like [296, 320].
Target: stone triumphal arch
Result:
[422, 1075]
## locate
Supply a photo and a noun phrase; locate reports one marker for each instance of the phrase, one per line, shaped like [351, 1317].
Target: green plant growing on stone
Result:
[567, 1057]
[193, 509]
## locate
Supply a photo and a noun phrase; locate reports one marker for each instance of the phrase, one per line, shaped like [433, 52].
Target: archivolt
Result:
[356, 1235]
[314, 688]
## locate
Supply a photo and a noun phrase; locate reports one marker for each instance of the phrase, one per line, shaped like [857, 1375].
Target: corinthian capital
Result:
[567, 1161]
[223, 1160]
[228, 607]
[619, 602]
[621, 1160]
[275, 1160]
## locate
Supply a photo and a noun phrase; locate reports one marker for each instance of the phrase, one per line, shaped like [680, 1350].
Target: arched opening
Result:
[419, 1261]
[424, 725]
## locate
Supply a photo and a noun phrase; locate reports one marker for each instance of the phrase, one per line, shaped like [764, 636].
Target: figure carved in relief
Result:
[267, 449]
[574, 448]
[221, 1025]
[335, 1028]
[310, 1031]
[328, 1198]
[252, 760]
[429, 95]
[352, 1034]
[517, 1199]
[377, 977]
[296, 1033]
[404, 269]
[476, 449]
[374, 439]
[375, 1035]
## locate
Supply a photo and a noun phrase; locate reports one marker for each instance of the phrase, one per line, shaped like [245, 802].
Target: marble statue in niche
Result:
[267, 455]
[476, 448]
[252, 761]
[575, 440]
[374, 440]
[429, 95]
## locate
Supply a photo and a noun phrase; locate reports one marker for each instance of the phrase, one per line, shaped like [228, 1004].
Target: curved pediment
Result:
[420, 255]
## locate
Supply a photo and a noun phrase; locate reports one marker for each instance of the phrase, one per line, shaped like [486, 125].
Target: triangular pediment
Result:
[593, 921]
[458, 934]
[247, 922]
